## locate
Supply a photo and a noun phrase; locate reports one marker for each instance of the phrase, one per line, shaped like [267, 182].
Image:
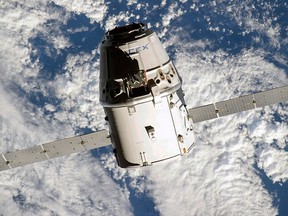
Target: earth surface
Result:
[49, 66]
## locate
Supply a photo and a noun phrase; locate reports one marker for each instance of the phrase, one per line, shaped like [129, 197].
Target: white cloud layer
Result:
[216, 178]
[63, 187]
[95, 10]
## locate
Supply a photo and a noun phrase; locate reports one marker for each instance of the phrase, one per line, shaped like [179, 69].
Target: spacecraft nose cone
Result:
[128, 32]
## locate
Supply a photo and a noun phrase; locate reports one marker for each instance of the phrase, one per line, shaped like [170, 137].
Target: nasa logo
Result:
[137, 49]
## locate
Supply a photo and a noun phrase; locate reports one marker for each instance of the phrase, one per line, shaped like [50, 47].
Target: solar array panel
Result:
[239, 104]
[271, 96]
[63, 147]
[235, 105]
[95, 140]
[3, 164]
[54, 149]
[25, 156]
[203, 113]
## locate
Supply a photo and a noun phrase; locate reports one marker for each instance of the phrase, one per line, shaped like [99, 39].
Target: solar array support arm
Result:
[54, 149]
[235, 105]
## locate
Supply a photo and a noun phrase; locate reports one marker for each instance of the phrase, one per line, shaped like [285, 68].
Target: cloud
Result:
[72, 185]
[174, 11]
[274, 162]
[216, 178]
[95, 10]
[48, 188]
[212, 180]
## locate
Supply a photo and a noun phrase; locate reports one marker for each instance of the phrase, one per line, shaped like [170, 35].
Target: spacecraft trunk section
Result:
[141, 93]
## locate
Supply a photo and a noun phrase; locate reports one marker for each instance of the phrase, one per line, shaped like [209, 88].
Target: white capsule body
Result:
[141, 93]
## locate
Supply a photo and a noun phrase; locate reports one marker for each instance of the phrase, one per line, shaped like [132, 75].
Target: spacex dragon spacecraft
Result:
[140, 91]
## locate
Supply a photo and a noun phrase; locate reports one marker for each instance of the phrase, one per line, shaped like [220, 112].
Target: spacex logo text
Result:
[137, 49]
